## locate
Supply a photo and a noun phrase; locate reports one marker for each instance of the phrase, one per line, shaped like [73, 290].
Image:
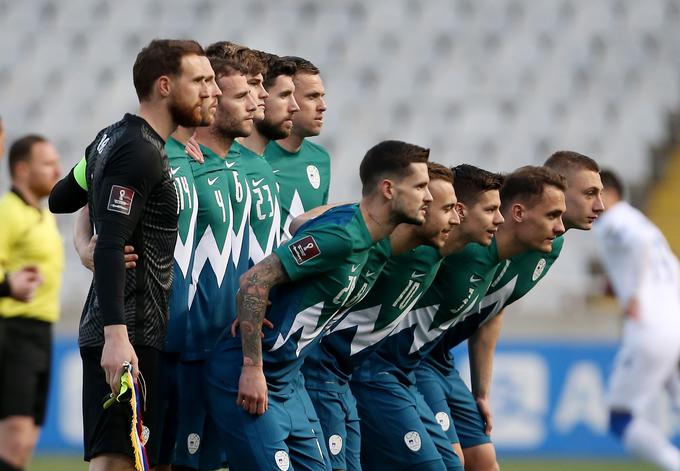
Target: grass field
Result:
[46, 463]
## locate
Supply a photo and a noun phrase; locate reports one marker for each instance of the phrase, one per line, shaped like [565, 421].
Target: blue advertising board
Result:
[548, 398]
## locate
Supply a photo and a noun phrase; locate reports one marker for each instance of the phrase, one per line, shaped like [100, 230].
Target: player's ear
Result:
[386, 188]
[517, 212]
[163, 85]
[461, 209]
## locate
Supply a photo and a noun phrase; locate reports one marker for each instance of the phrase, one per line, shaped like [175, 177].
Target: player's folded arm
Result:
[70, 193]
[119, 202]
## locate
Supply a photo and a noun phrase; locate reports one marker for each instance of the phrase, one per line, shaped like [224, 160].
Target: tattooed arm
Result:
[252, 304]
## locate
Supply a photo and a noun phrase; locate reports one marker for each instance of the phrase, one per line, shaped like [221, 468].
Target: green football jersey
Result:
[265, 209]
[304, 178]
[211, 310]
[513, 279]
[323, 262]
[459, 286]
[519, 275]
[240, 199]
[187, 206]
[402, 282]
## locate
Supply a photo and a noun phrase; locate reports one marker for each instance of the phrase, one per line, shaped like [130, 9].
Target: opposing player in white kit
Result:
[645, 276]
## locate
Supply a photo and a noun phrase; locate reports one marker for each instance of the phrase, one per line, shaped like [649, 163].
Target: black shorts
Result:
[108, 431]
[168, 402]
[25, 356]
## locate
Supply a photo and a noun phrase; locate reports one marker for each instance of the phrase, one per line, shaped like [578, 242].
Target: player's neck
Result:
[404, 238]
[292, 143]
[26, 194]
[456, 242]
[158, 117]
[217, 143]
[377, 216]
[256, 142]
[507, 244]
[182, 134]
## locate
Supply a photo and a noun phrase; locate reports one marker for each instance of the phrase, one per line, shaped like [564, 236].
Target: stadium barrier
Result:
[548, 400]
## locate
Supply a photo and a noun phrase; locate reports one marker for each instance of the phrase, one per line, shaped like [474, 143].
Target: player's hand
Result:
[484, 408]
[265, 323]
[633, 309]
[87, 255]
[252, 390]
[117, 350]
[23, 283]
[193, 149]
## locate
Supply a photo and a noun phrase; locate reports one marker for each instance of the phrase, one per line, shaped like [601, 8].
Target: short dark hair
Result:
[472, 181]
[389, 159]
[224, 67]
[160, 57]
[21, 149]
[566, 161]
[248, 59]
[527, 184]
[439, 172]
[612, 180]
[303, 66]
[276, 66]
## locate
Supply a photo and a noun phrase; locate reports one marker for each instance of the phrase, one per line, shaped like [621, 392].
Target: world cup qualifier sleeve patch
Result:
[120, 199]
[304, 249]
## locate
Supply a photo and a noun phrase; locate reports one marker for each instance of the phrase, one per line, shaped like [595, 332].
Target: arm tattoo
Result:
[252, 304]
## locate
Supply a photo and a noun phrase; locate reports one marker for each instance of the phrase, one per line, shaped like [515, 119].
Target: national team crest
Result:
[282, 460]
[335, 444]
[193, 443]
[412, 440]
[314, 176]
[540, 266]
[443, 420]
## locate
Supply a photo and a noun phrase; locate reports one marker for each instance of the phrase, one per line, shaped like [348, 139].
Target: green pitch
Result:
[61, 463]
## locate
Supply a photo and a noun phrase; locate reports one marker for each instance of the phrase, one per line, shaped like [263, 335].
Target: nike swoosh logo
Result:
[212, 180]
[370, 274]
[276, 171]
[230, 164]
[173, 171]
[415, 274]
[475, 279]
[354, 267]
[257, 182]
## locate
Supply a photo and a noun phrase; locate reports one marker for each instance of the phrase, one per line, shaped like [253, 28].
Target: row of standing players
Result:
[360, 305]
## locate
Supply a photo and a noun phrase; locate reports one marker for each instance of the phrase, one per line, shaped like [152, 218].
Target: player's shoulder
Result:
[131, 140]
[339, 217]
[343, 222]
[427, 252]
[315, 148]
[274, 151]
[175, 149]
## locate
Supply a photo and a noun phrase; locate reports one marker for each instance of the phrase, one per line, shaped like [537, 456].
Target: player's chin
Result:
[546, 246]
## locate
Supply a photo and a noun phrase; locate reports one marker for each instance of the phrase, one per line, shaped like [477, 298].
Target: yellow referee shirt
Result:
[29, 236]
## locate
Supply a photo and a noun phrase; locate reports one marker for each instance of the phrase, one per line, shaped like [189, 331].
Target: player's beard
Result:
[184, 115]
[271, 131]
[229, 128]
[401, 216]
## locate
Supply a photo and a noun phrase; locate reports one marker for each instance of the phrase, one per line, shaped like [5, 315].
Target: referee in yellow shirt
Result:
[28, 237]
